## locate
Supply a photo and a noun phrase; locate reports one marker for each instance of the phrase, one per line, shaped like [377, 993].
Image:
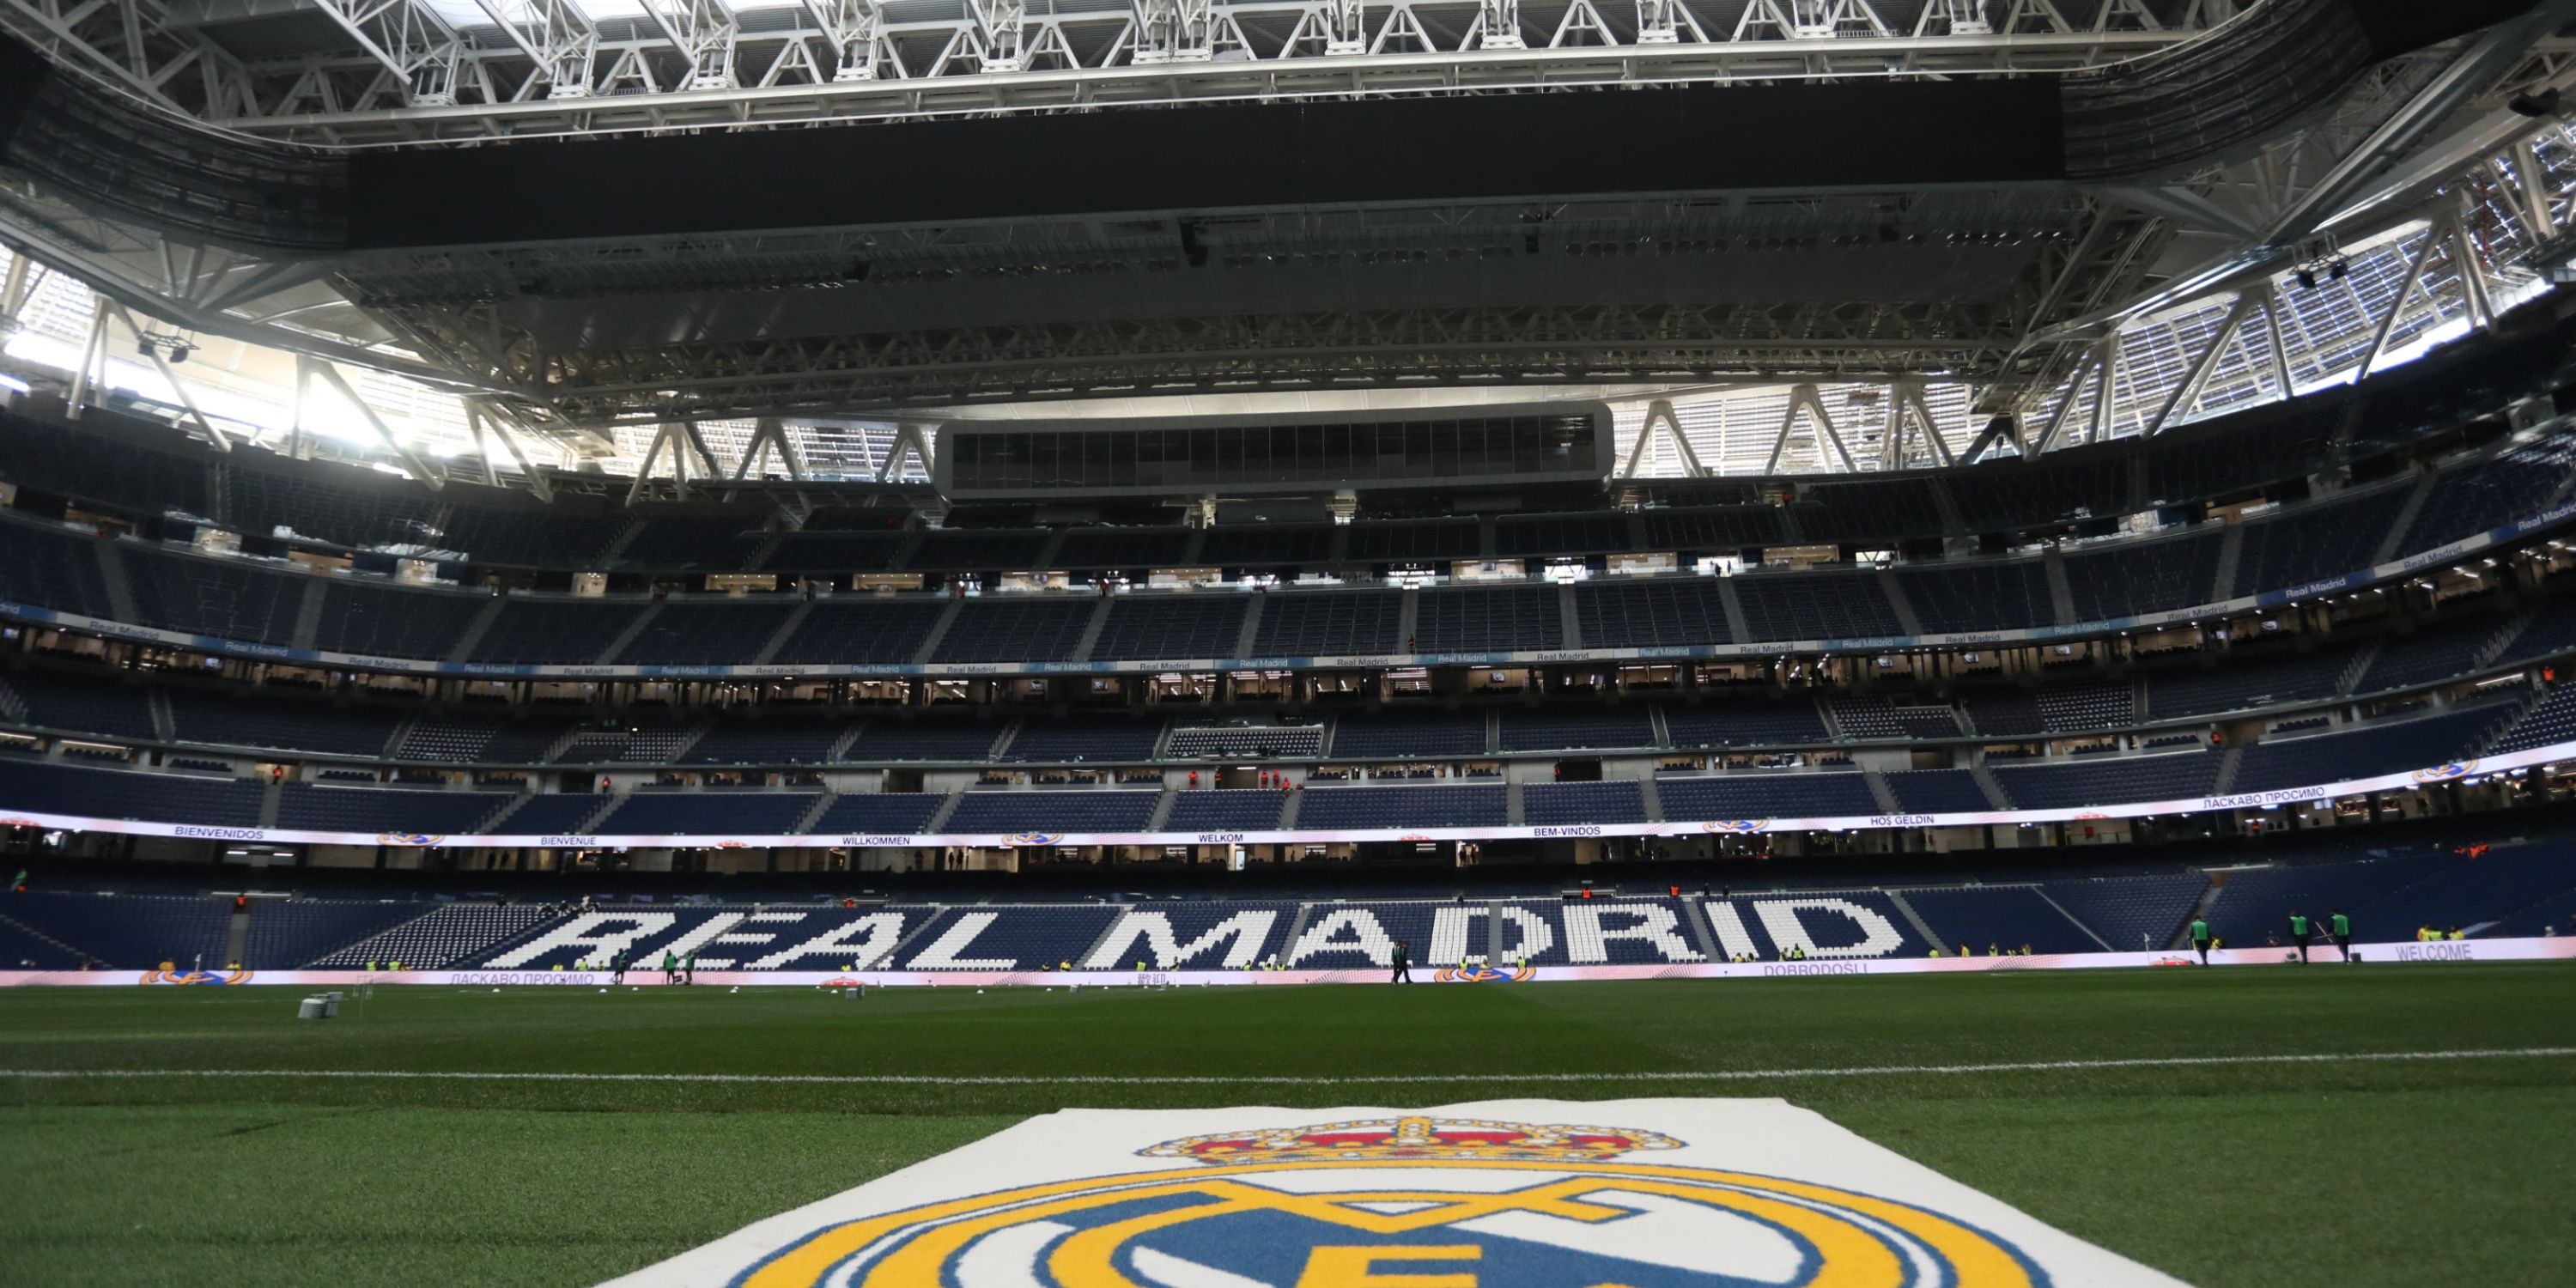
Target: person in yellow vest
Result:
[1936, 950]
[2457, 933]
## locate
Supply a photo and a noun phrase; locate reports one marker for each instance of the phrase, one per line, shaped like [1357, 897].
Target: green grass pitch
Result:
[2345, 1173]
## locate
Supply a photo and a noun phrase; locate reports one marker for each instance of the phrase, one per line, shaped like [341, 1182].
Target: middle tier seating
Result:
[1103, 810]
[1327, 809]
[307, 807]
[1085, 739]
[1938, 791]
[1560, 804]
[1226, 810]
[2169, 776]
[707, 814]
[1810, 794]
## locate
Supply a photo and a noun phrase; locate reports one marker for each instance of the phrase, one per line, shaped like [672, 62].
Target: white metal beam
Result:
[309, 369]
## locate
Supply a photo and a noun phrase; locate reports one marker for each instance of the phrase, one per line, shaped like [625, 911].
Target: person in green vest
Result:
[2200, 938]
[670, 968]
[689, 968]
[1403, 961]
[2300, 933]
[2339, 927]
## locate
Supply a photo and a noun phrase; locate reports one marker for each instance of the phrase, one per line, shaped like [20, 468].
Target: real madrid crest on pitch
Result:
[1532, 1194]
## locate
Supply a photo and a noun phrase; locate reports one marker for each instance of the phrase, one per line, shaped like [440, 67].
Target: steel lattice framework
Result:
[2076, 312]
[413, 71]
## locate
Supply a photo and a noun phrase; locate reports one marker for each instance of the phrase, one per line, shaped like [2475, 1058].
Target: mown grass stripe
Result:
[1298, 1080]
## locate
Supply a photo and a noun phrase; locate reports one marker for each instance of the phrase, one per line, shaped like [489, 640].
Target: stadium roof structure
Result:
[1777, 235]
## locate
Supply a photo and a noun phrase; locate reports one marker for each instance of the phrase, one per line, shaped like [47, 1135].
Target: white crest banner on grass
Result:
[1638, 1193]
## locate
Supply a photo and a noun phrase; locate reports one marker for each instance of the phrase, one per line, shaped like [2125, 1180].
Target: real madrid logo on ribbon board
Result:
[1501, 1194]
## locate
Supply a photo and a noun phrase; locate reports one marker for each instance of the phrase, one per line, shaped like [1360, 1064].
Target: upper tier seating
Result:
[306, 807]
[1431, 540]
[53, 568]
[1356, 808]
[1396, 734]
[1092, 739]
[2077, 706]
[2242, 684]
[963, 740]
[2550, 722]
[2117, 581]
[1579, 533]
[2314, 541]
[1865, 509]
[1570, 728]
[1651, 614]
[273, 721]
[2252, 446]
[1311, 624]
[205, 596]
[129, 932]
[1745, 724]
[121, 794]
[258, 502]
[81, 463]
[1053, 812]
[1937, 791]
[473, 738]
[1249, 545]
[978, 550]
[896, 813]
[640, 738]
[1170, 627]
[2170, 776]
[2439, 651]
[1508, 619]
[1998, 917]
[378, 619]
[848, 632]
[1128, 549]
[1815, 606]
[1717, 529]
[1556, 804]
[779, 740]
[440, 938]
[569, 631]
[550, 537]
[2002, 595]
[2467, 500]
[1004, 629]
[2015, 493]
[2550, 632]
[81, 704]
[2275, 763]
[1236, 810]
[706, 632]
[553, 813]
[1239, 740]
[1807, 794]
[286, 933]
[812, 551]
[1886, 718]
[707, 814]
[711, 542]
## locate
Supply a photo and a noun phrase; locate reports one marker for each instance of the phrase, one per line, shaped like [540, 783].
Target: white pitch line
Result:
[1293, 1080]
